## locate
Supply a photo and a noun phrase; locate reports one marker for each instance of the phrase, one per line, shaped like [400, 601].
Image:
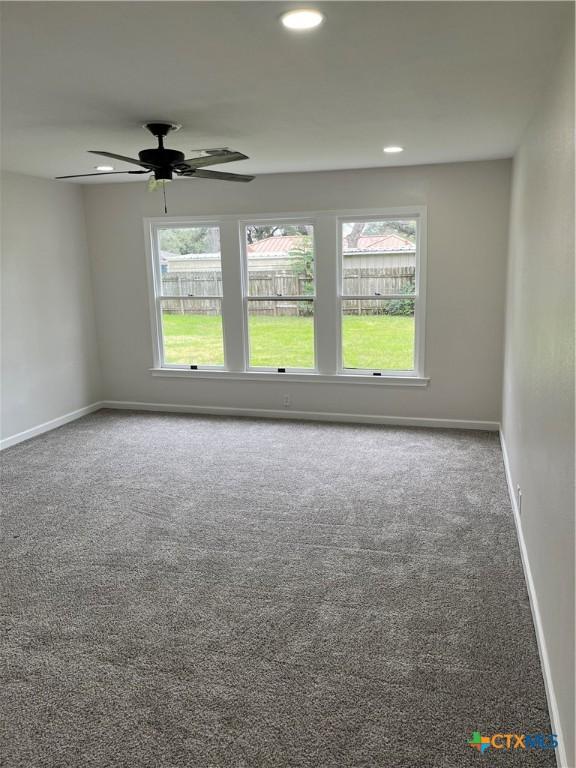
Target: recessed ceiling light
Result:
[304, 18]
[393, 150]
[104, 167]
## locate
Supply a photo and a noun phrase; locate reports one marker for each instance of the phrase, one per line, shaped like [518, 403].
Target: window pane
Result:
[190, 261]
[280, 259]
[378, 335]
[281, 334]
[378, 257]
[192, 331]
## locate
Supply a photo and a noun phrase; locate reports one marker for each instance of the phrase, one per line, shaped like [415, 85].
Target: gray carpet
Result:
[229, 593]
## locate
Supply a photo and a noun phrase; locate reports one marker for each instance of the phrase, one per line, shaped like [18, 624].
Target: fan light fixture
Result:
[104, 167]
[393, 150]
[302, 19]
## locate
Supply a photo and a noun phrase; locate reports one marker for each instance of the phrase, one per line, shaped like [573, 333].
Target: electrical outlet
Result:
[286, 402]
[519, 494]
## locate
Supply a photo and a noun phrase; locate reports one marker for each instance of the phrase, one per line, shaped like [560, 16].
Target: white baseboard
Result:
[7, 442]
[553, 711]
[401, 421]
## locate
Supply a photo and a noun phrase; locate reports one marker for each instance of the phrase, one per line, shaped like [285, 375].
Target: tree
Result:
[256, 232]
[190, 240]
[354, 235]
[403, 228]
[302, 264]
[359, 229]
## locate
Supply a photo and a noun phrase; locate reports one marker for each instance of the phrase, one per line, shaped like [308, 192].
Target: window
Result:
[189, 295]
[332, 296]
[378, 258]
[280, 295]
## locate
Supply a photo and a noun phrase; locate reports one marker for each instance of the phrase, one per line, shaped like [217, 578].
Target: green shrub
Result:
[402, 307]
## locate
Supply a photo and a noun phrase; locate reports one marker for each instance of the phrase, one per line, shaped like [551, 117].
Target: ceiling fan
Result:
[164, 163]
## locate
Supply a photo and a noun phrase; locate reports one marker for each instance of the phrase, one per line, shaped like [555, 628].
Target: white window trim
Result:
[151, 229]
[287, 220]
[327, 298]
[419, 291]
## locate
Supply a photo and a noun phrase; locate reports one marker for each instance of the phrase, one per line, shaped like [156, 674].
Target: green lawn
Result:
[368, 341]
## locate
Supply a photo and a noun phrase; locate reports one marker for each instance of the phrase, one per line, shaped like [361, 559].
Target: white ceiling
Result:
[449, 81]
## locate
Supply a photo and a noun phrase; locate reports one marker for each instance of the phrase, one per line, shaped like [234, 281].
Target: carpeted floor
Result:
[189, 592]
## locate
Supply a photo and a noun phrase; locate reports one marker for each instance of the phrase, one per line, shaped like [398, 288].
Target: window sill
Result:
[353, 378]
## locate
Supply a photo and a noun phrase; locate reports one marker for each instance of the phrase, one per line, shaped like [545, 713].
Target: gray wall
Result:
[467, 251]
[538, 398]
[50, 364]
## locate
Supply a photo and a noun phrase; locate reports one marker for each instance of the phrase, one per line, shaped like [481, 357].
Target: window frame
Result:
[328, 264]
[156, 296]
[419, 311]
[246, 298]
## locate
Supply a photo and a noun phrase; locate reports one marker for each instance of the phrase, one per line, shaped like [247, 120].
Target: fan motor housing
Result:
[162, 157]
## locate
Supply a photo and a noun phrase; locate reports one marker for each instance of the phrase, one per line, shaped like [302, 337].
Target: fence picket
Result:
[206, 288]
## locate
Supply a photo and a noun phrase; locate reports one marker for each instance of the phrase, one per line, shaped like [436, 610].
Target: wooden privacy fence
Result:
[199, 290]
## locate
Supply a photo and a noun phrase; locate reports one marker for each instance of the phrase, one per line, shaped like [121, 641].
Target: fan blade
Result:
[102, 173]
[216, 175]
[124, 159]
[221, 156]
[213, 150]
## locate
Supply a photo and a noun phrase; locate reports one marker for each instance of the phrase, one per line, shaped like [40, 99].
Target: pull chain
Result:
[164, 192]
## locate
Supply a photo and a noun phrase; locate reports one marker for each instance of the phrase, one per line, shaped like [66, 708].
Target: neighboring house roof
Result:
[366, 244]
[278, 244]
[380, 244]
[283, 244]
